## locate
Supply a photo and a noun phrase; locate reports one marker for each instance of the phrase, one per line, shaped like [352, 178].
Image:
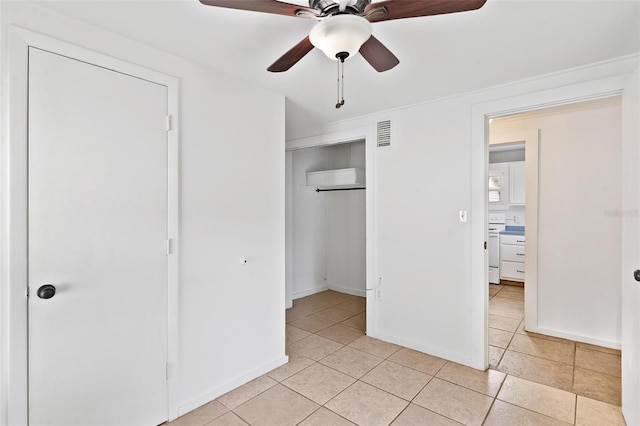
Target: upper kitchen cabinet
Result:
[517, 183]
[506, 185]
[498, 186]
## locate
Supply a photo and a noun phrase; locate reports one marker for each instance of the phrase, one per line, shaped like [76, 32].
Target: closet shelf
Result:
[337, 179]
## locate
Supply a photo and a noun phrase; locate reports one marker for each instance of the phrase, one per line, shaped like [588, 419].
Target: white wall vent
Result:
[384, 133]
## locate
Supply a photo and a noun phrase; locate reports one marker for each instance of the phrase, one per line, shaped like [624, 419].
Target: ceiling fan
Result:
[344, 26]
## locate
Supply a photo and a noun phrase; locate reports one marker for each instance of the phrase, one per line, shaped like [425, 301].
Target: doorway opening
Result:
[327, 250]
[567, 315]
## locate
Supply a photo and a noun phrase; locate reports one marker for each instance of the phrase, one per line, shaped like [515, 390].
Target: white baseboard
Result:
[347, 290]
[578, 338]
[211, 395]
[309, 292]
[429, 350]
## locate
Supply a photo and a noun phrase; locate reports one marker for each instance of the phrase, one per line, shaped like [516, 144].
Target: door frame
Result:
[368, 134]
[14, 224]
[480, 116]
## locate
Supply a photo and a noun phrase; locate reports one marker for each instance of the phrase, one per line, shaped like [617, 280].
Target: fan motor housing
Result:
[330, 7]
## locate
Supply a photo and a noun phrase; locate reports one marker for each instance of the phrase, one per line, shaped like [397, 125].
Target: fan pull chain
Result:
[340, 82]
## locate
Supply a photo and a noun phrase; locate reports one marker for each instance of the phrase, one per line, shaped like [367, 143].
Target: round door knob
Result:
[47, 291]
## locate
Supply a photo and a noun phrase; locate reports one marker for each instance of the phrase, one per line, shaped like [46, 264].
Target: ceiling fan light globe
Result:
[340, 33]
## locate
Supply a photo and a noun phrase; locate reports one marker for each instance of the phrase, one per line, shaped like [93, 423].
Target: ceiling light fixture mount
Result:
[341, 56]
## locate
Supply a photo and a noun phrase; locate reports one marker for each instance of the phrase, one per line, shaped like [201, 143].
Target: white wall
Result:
[231, 206]
[579, 222]
[309, 213]
[328, 244]
[424, 254]
[346, 226]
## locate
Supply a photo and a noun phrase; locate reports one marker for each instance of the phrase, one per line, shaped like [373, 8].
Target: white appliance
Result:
[496, 224]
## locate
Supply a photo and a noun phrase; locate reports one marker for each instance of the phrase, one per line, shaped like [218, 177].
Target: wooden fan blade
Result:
[378, 56]
[398, 9]
[266, 6]
[292, 57]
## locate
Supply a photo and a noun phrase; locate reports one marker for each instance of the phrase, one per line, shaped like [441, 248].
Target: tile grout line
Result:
[543, 358]
[573, 374]
[356, 380]
[376, 387]
[386, 358]
[400, 413]
[318, 362]
[310, 414]
[423, 387]
[530, 410]
[560, 362]
[507, 348]
[493, 401]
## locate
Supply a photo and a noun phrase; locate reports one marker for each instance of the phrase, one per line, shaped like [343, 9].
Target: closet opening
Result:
[326, 241]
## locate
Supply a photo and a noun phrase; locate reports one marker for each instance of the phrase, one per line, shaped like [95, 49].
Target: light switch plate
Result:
[462, 216]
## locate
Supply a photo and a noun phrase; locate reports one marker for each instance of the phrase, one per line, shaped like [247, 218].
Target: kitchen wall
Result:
[502, 156]
[579, 220]
[231, 207]
[431, 277]
[515, 216]
[328, 243]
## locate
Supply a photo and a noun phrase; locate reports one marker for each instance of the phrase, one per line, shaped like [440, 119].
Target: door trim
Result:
[480, 115]
[13, 225]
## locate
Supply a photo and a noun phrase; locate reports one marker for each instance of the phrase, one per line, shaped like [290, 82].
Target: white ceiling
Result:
[506, 40]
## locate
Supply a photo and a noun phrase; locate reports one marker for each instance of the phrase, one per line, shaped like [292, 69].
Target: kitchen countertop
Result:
[513, 230]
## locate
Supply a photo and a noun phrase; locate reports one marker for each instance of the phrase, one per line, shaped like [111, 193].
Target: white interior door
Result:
[97, 232]
[631, 251]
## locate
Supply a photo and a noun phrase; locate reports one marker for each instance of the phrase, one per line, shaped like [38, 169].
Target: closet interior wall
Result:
[328, 232]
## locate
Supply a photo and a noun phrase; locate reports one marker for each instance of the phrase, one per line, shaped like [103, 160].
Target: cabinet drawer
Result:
[512, 271]
[512, 239]
[512, 253]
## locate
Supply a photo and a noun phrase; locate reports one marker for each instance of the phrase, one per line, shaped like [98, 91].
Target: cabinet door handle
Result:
[518, 270]
[519, 254]
[519, 241]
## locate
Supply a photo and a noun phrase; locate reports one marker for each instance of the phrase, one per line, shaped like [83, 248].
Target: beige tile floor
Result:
[338, 376]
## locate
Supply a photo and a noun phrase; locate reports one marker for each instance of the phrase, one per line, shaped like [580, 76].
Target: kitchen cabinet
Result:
[512, 255]
[498, 186]
[506, 185]
[517, 183]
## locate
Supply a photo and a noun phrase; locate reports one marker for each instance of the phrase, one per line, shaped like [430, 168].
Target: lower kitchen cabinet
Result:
[512, 257]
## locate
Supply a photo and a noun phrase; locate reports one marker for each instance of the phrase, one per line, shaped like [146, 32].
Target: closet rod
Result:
[338, 189]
